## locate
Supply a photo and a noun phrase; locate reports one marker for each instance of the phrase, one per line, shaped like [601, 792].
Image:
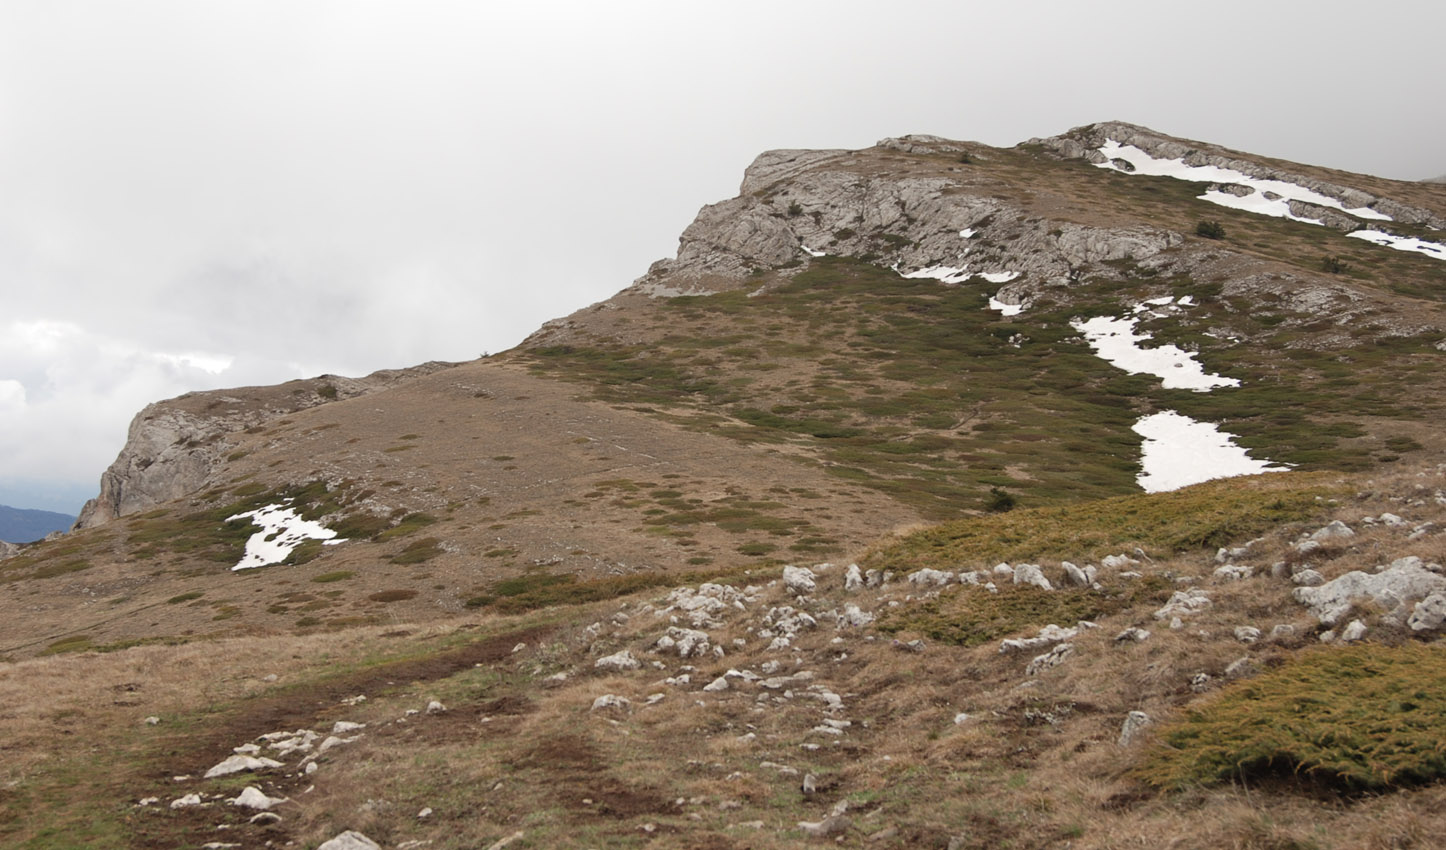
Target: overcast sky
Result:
[200, 195]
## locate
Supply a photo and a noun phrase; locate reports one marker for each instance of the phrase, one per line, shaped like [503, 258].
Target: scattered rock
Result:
[1079, 577]
[611, 701]
[153, 720]
[1281, 631]
[240, 764]
[1336, 530]
[930, 578]
[799, 580]
[186, 801]
[1184, 603]
[1247, 634]
[853, 579]
[1354, 631]
[1233, 572]
[341, 727]
[1134, 722]
[810, 783]
[1133, 633]
[718, 684]
[1392, 589]
[618, 662]
[1050, 634]
[1053, 658]
[1031, 574]
[350, 840]
[435, 707]
[264, 819]
[688, 642]
[1428, 614]
[252, 797]
[1308, 578]
[827, 828]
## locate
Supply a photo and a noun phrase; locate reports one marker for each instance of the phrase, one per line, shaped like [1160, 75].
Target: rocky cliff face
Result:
[173, 446]
[923, 205]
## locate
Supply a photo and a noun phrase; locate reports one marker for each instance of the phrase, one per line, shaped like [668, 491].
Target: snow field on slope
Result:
[282, 530]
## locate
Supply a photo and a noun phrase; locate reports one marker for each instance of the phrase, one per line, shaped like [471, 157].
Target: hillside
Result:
[937, 375]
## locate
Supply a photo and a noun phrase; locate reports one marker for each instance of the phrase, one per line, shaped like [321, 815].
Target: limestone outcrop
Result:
[173, 446]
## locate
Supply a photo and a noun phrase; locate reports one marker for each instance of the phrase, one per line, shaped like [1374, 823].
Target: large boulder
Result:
[1392, 589]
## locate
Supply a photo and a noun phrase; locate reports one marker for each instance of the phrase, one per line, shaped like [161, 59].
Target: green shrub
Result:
[418, 551]
[1000, 501]
[1210, 230]
[185, 597]
[335, 575]
[1334, 265]
[1356, 718]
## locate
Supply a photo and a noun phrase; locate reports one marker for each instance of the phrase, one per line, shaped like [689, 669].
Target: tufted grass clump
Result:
[1355, 718]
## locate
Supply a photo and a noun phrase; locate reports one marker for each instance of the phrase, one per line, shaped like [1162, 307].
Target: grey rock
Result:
[1428, 614]
[1053, 658]
[930, 578]
[1233, 572]
[1079, 577]
[1032, 575]
[800, 581]
[1184, 603]
[1392, 589]
[1132, 634]
[1354, 631]
[611, 702]
[1336, 530]
[1308, 578]
[1281, 631]
[1247, 634]
[829, 827]
[853, 579]
[350, 840]
[252, 797]
[1134, 722]
[241, 764]
[618, 662]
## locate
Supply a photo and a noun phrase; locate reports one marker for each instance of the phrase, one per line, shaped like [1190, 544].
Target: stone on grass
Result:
[1053, 658]
[688, 642]
[831, 826]
[1354, 631]
[241, 764]
[1281, 631]
[1050, 634]
[1240, 668]
[718, 684]
[618, 661]
[186, 801]
[341, 727]
[853, 579]
[1308, 578]
[1133, 633]
[1079, 577]
[799, 580]
[611, 701]
[1032, 575]
[1184, 603]
[252, 797]
[350, 840]
[930, 578]
[1336, 530]
[1233, 572]
[1247, 634]
[1392, 589]
[1134, 722]
[435, 707]
[1428, 614]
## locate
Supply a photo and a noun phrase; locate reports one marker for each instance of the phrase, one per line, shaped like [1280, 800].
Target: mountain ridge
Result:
[828, 527]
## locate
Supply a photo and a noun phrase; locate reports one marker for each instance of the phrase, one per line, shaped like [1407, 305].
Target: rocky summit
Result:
[1079, 494]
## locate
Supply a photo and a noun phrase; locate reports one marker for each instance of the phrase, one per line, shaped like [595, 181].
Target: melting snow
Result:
[1178, 452]
[945, 274]
[1402, 243]
[1256, 201]
[1115, 340]
[967, 233]
[999, 277]
[1006, 309]
[281, 532]
[809, 251]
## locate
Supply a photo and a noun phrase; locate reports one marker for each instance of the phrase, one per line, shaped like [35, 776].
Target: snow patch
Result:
[1401, 243]
[943, 274]
[1255, 202]
[1178, 452]
[1005, 309]
[1115, 340]
[809, 251]
[282, 530]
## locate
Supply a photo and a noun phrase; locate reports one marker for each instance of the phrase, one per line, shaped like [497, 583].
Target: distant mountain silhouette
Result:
[20, 525]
